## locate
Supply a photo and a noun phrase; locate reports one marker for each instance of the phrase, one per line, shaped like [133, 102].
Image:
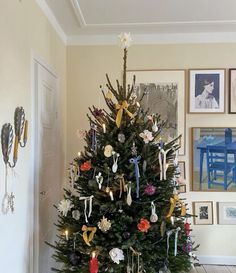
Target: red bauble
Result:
[93, 265]
[86, 166]
[187, 228]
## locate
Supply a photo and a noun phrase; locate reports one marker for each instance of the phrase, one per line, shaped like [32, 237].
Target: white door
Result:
[47, 166]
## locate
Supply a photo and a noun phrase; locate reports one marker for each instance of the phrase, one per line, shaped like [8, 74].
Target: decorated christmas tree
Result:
[122, 211]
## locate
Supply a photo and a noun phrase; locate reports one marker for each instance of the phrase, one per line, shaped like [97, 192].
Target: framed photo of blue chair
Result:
[213, 159]
[220, 168]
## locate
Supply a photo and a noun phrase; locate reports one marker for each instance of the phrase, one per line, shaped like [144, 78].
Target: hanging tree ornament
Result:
[115, 161]
[143, 225]
[94, 137]
[65, 206]
[88, 238]
[149, 190]
[173, 201]
[135, 264]
[86, 199]
[155, 127]
[129, 197]
[108, 151]
[146, 136]
[93, 263]
[121, 138]
[121, 179]
[104, 225]
[99, 180]
[134, 151]
[135, 160]
[76, 214]
[169, 233]
[162, 163]
[153, 217]
[122, 107]
[116, 255]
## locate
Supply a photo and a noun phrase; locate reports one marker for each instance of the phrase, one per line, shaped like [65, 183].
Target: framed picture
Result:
[182, 188]
[207, 91]
[232, 91]
[203, 211]
[226, 213]
[213, 152]
[164, 94]
[182, 169]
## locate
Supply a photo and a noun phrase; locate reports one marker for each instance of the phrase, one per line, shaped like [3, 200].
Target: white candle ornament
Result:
[67, 234]
[111, 195]
[104, 128]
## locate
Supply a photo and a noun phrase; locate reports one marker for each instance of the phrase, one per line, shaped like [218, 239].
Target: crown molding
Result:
[78, 13]
[52, 19]
[171, 38]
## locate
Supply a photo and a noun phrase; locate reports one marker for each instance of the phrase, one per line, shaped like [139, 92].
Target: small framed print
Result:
[226, 213]
[232, 90]
[182, 188]
[203, 211]
[206, 91]
[182, 169]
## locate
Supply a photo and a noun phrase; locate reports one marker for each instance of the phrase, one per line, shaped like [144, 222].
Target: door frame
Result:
[34, 175]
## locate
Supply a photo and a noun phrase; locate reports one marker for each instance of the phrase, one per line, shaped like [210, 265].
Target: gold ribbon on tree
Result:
[121, 107]
[173, 201]
[88, 238]
[121, 179]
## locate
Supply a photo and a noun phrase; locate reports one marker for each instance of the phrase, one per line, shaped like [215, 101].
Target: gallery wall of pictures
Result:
[205, 91]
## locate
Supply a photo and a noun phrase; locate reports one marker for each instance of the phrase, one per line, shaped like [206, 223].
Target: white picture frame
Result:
[226, 213]
[206, 90]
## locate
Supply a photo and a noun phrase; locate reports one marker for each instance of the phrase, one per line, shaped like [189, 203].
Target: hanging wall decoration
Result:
[7, 136]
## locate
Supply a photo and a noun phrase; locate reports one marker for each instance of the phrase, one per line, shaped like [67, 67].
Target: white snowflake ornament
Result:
[146, 136]
[104, 224]
[116, 255]
[65, 206]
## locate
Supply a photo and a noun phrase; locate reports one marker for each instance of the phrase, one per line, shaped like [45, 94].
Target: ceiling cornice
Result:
[170, 38]
[151, 38]
[52, 19]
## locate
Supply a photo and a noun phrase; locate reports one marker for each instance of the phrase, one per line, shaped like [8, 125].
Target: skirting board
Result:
[221, 260]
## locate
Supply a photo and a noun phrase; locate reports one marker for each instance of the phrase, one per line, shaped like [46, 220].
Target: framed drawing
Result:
[213, 152]
[182, 188]
[203, 210]
[164, 94]
[206, 91]
[232, 91]
[182, 169]
[226, 213]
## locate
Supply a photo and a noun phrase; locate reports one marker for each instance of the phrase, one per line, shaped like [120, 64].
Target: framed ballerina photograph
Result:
[206, 91]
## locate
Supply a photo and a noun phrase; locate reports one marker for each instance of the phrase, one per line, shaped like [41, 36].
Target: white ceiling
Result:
[92, 20]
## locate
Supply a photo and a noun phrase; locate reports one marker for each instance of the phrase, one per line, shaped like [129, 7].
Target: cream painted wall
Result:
[24, 29]
[86, 68]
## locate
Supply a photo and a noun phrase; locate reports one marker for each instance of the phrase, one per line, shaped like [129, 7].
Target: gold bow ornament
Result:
[173, 201]
[88, 238]
[121, 107]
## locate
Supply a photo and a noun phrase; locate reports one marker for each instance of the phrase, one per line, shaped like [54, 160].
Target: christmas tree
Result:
[123, 212]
